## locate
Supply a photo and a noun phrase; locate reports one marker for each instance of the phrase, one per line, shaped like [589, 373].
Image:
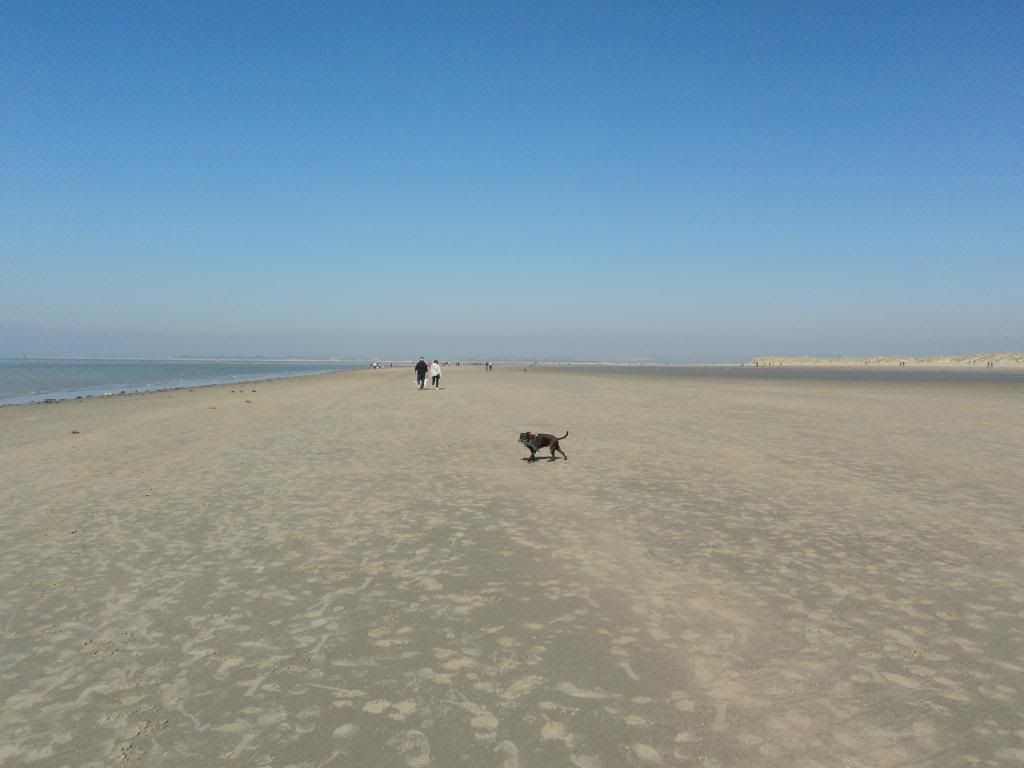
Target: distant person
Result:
[421, 372]
[435, 374]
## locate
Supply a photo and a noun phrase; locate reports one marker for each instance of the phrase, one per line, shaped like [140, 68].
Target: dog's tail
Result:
[565, 435]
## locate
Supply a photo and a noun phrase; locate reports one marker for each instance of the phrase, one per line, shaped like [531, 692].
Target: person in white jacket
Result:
[435, 374]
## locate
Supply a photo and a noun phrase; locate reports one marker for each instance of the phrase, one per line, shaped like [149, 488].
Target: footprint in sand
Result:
[415, 749]
[307, 720]
[345, 731]
[556, 732]
[509, 755]
[377, 706]
[647, 753]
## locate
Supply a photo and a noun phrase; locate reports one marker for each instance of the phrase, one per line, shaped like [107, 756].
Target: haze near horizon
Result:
[559, 180]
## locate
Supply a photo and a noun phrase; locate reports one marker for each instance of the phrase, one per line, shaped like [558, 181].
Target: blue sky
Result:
[682, 181]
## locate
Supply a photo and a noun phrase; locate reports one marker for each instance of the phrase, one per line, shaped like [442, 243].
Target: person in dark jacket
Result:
[421, 372]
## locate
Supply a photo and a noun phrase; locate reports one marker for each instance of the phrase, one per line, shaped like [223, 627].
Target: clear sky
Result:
[679, 181]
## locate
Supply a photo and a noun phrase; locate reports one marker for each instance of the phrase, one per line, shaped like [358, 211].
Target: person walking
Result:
[421, 372]
[435, 374]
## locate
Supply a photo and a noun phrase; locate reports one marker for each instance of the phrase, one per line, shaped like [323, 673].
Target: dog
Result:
[542, 440]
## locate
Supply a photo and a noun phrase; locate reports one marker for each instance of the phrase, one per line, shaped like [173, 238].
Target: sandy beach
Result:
[344, 571]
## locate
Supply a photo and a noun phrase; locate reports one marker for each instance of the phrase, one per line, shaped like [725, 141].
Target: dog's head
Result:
[525, 437]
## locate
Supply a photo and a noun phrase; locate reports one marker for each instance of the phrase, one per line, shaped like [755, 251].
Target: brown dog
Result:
[542, 440]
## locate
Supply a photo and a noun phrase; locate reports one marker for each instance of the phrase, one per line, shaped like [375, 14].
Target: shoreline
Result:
[986, 364]
[857, 373]
[97, 393]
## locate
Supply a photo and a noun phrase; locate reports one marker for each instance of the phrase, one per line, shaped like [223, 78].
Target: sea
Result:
[32, 380]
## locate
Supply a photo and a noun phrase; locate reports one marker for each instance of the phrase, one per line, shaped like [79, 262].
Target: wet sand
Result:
[345, 571]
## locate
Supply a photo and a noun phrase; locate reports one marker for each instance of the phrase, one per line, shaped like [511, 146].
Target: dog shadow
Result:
[539, 459]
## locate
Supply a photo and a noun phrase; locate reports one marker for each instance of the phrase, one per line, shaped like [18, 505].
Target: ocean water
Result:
[28, 381]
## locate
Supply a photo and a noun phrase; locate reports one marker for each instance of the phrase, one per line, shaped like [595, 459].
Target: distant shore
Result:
[1000, 359]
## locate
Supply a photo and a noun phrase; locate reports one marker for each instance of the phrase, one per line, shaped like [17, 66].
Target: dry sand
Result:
[349, 572]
